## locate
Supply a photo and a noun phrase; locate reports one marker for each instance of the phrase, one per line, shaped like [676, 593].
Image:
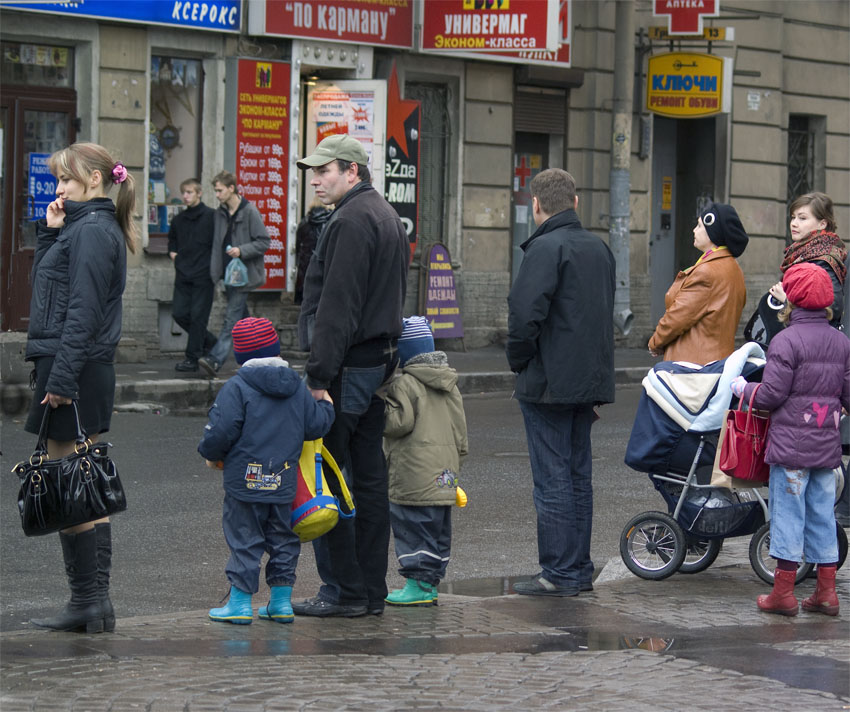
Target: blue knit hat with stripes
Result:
[415, 339]
[254, 338]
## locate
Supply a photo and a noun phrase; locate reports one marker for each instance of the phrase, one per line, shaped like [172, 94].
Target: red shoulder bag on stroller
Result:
[742, 450]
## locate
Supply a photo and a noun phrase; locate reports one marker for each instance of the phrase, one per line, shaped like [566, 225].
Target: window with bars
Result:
[434, 144]
[806, 155]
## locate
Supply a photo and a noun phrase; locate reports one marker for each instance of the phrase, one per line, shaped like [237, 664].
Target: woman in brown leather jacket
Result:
[704, 304]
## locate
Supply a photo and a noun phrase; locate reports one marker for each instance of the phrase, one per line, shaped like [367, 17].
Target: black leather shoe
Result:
[187, 366]
[323, 609]
[375, 608]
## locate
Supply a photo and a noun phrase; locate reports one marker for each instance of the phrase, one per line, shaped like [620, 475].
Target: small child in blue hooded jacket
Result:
[257, 427]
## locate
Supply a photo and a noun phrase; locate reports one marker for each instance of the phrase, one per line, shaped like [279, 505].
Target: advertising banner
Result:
[687, 85]
[684, 17]
[401, 187]
[545, 57]
[475, 26]
[370, 22]
[262, 137]
[221, 15]
[441, 307]
[42, 185]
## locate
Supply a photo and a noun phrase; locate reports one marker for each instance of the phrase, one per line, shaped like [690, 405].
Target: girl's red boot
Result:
[824, 600]
[781, 600]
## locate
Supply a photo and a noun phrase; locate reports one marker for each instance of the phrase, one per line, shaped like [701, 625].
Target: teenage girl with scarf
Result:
[813, 239]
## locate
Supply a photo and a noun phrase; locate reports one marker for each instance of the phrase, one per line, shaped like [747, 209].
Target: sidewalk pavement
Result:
[155, 385]
[694, 642]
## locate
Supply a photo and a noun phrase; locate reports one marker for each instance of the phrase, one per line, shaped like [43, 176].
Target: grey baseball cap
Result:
[338, 146]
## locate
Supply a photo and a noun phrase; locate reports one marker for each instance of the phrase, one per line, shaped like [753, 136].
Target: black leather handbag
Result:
[78, 488]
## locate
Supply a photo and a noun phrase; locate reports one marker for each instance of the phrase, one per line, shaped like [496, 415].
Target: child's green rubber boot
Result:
[279, 609]
[414, 593]
[238, 609]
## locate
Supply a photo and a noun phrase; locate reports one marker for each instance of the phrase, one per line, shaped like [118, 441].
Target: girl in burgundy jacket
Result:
[805, 384]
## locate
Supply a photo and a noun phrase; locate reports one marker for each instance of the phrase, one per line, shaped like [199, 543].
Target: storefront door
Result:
[531, 157]
[33, 121]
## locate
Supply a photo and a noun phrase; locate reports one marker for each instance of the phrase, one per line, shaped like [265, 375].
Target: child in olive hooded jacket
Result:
[425, 443]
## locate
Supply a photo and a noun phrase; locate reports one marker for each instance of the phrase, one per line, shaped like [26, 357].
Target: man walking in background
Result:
[561, 346]
[239, 232]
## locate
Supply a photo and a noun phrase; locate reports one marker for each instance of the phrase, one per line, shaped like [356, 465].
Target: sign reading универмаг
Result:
[221, 15]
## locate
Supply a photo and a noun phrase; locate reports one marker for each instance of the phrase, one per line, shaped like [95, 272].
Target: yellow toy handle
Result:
[460, 498]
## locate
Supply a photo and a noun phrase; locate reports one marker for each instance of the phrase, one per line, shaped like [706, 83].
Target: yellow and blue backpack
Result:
[316, 510]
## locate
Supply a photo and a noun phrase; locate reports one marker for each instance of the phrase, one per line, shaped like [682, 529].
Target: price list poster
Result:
[262, 137]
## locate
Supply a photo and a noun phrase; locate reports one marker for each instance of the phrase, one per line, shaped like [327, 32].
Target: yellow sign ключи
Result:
[684, 85]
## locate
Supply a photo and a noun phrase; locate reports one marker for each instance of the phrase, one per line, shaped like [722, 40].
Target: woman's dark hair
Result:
[820, 205]
[80, 160]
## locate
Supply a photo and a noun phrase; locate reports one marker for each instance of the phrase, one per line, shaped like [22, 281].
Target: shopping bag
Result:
[742, 451]
[719, 478]
[236, 273]
[315, 509]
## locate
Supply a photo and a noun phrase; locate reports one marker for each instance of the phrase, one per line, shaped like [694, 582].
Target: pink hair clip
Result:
[119, 173]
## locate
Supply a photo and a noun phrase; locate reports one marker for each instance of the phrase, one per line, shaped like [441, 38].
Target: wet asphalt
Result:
[687, 642]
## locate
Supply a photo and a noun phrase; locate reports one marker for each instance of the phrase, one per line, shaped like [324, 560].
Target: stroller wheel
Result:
[653, 545]
[700, 554]
[762, 562]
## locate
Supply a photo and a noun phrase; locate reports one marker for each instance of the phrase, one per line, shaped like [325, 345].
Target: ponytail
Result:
[80, 160]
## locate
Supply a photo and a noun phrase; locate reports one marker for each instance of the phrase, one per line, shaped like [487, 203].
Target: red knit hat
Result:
[254, 338]
[808, 286]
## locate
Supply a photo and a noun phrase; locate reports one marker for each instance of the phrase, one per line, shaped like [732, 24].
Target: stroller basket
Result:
[712, 512]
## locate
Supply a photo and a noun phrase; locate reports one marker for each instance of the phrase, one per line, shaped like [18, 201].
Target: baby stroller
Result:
[674, 440]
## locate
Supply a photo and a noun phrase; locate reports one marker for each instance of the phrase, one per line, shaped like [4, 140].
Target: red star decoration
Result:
[398, 111]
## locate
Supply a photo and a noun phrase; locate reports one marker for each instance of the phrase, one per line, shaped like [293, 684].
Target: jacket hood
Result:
[271, 376]
[318, 215]
[74, 210]
[432, 369]
[195, 212]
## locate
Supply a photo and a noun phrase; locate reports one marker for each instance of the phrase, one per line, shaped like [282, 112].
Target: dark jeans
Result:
[237, 308]
[252, 528]
[191, 308]
[559, 447]
[423, 541]
[352, 557]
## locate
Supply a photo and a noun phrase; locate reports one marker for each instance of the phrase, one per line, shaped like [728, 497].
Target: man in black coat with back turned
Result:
[190, 246]
[561, 346]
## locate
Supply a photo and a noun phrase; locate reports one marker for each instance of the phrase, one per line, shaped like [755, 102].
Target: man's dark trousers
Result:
[191, 308]
[561, 466]
[357, 548]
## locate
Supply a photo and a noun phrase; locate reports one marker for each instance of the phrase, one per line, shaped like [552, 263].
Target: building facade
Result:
[168, 95]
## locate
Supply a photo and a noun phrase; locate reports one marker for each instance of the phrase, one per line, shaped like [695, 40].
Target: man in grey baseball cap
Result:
[338, 146]
[350, 322]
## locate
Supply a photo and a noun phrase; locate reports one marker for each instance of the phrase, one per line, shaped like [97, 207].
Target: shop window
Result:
[175, 139]
[36, 65]
[806, 155]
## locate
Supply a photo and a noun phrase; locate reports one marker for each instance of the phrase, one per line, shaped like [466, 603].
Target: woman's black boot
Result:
[103, 533]
[84, 611]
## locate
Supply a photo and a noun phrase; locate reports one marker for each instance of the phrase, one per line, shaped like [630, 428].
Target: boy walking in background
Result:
[425, 442]
[257, 427]
[190, 240]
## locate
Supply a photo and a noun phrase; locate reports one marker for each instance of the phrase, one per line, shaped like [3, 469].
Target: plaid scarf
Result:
[818, 245]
